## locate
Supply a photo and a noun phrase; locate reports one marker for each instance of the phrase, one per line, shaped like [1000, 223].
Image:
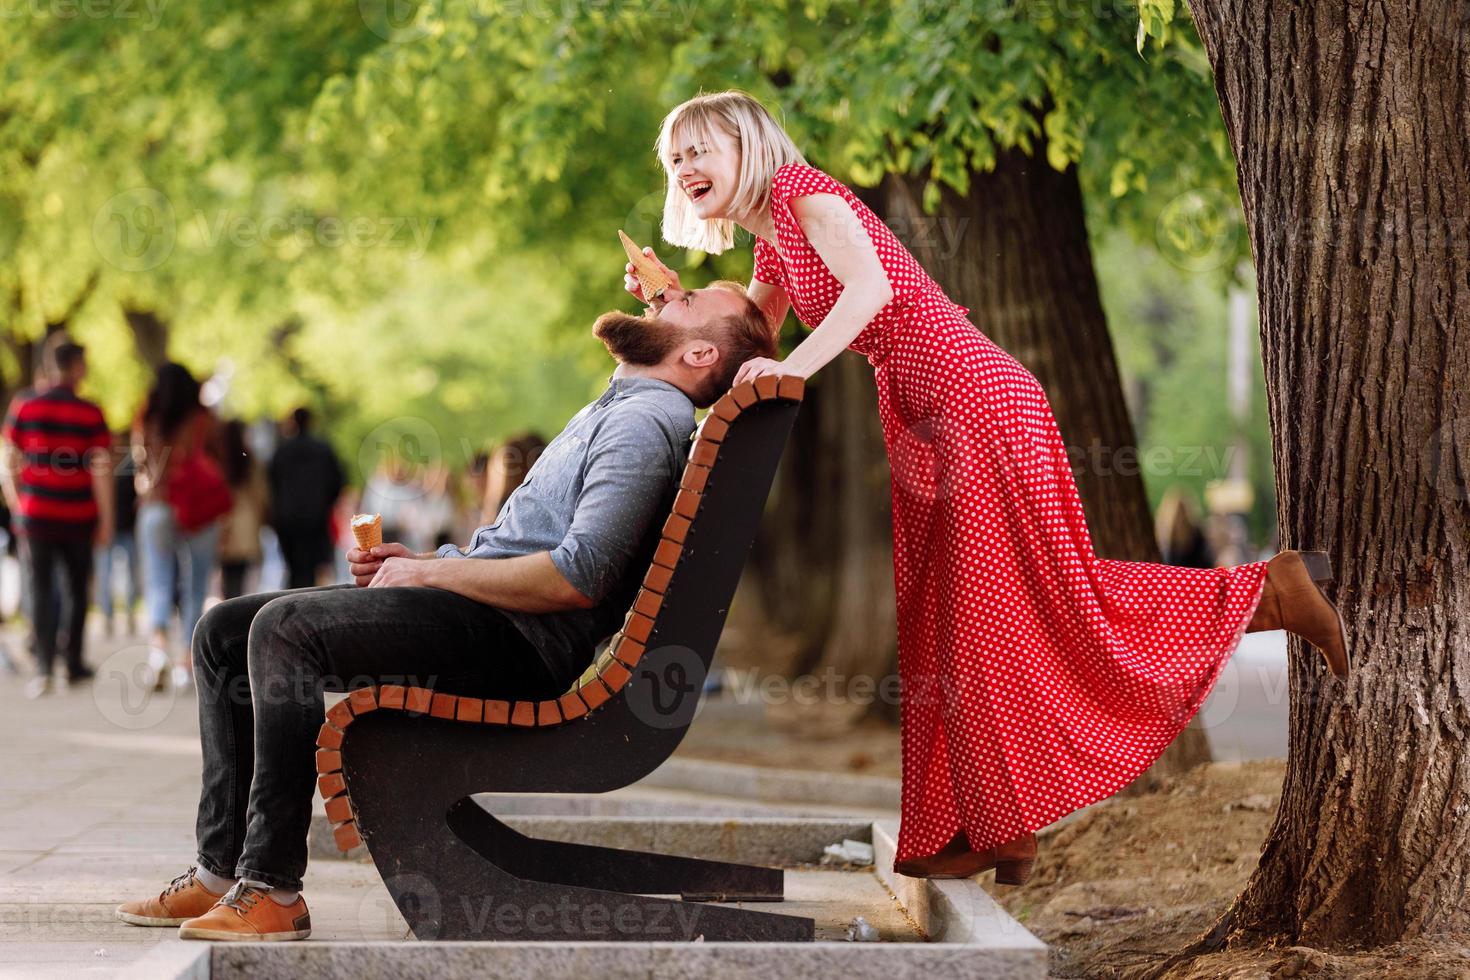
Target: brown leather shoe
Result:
[248, 914]
[1012, 861]
[1293, 601]
[183, 899]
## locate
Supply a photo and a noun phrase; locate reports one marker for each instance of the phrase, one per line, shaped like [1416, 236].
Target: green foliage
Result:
[414, 217]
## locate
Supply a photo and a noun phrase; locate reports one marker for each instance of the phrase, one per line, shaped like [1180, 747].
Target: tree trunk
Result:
[150, 337]
[1015, 251]
[1349, 124]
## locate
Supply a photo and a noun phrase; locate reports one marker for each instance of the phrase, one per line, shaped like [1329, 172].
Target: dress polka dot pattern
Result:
[1037, 678]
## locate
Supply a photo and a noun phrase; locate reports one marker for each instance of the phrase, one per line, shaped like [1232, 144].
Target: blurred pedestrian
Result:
[305, 481]
[1177, 528]
[58, 446]
[182, 495]
[124, 546]
[509, 464]
[239, 544]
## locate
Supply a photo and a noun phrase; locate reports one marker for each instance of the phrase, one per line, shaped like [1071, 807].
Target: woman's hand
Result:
[365, 564]
[630, 281]
[758, 367]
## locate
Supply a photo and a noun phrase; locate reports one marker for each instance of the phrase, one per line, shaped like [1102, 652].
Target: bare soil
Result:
[1125, 885]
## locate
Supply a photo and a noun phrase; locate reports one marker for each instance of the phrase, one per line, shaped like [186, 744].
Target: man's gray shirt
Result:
[596, 499]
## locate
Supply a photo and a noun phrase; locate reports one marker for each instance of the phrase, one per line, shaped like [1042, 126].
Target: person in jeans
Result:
[171, 425]
[515, 614]
[124, 541]
[62, 500]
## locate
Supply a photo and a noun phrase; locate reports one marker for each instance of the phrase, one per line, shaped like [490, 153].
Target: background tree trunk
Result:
[1349, 124]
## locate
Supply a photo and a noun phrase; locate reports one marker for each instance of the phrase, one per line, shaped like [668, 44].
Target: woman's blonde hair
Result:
[763, 147]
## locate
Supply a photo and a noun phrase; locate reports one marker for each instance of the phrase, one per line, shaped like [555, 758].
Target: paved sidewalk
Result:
[97, 799]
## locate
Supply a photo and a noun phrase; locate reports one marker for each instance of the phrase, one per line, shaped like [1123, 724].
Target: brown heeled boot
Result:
[1292, 601]
[1012, 861]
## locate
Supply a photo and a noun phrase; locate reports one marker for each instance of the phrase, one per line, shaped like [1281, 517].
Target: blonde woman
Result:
[1037, 678]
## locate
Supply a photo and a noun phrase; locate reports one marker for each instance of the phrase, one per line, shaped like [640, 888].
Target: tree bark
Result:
[1015, 251]
[1349, 125]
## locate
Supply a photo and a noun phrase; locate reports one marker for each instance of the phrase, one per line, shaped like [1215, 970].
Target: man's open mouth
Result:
[696, 191]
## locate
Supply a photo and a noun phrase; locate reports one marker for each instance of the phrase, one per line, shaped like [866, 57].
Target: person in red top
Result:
[58, 483]
[1035, 676]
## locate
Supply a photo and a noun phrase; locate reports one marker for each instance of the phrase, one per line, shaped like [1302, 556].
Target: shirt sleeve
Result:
[630, 474]
[768, 264]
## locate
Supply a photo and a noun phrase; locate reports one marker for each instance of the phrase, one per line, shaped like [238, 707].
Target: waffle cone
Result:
[368, 535]
[651, 278]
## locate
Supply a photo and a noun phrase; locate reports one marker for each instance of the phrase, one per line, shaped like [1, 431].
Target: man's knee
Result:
[222, 625]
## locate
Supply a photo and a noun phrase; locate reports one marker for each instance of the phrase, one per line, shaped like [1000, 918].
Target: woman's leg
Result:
[157, 537]
[199, 552]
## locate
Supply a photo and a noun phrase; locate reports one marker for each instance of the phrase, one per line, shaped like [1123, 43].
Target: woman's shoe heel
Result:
[1318, 564]
[1013, 872]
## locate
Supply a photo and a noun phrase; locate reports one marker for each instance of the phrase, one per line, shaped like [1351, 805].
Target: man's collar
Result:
[619, 386]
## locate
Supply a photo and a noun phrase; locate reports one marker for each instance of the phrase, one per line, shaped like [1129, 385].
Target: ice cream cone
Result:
[651, 278]
[368, 530]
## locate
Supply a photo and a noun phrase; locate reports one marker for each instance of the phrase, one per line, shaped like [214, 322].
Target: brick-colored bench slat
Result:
[792, 387]
[629, 651]
[524, 713]
[392, 696]
[704, 453]
[328, 737]
[548, 713]
[339, 809]
[328, 760]
[676, 528]
[638, 627]
[615, 676]
[497, 713]
[743, 395]
[363, 700]
[658, 578]
[339, 715]
[686, 503]
[572, 706]
[469, 709]
[594, 693]
[347, 837]
[666, 555]
[418, 700]
[767, 386]
[695, 478]
[331, 784]
[713, 428]
[442, 706]
[647, 603]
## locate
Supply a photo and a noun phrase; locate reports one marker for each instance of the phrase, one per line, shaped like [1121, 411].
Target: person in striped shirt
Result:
[57, 479]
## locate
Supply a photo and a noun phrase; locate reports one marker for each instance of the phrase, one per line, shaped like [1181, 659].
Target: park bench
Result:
[397, 765]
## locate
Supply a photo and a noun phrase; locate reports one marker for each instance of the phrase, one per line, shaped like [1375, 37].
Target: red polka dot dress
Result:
[1037, 678]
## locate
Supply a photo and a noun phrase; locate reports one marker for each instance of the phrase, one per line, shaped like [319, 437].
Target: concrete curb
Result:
[171, 959]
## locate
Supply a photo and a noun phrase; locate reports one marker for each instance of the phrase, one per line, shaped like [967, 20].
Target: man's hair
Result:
[60, 354]
[740, 336]
[301, 418]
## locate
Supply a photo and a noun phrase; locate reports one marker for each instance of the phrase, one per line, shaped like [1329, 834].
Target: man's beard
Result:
[640, 340]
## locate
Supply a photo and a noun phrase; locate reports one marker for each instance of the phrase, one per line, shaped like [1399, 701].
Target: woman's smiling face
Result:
[706, 171]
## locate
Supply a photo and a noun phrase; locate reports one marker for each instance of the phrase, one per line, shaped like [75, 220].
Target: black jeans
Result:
[74, 557]
[261, 663]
